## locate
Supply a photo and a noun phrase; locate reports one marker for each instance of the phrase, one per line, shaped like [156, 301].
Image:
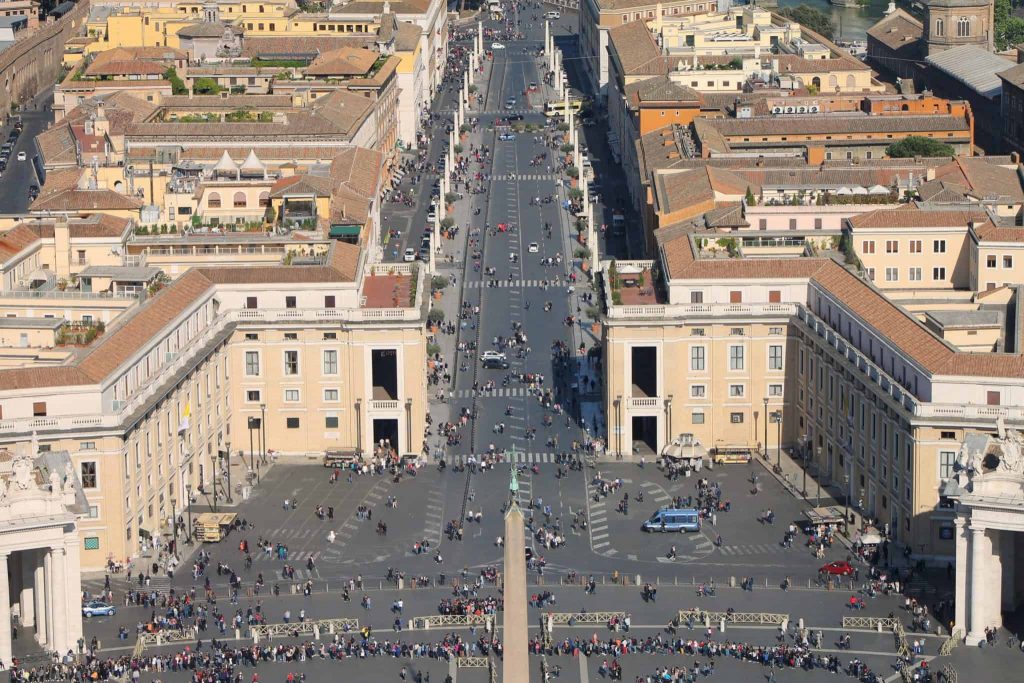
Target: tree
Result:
[812, 18]
[917, 146]
[177, 85]
[1009, 30]
[205, 86]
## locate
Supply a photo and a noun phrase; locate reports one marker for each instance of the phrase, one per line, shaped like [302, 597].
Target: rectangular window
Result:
[735, 357]
[697, 417]
[915, 274]
[938, 273]
[330, 395]
[88, 471]
[329, 301]
[93, 542]
[774, 357]
[892, 247]
[1007, 262]
[736, 418]
[87, 446]
[697, 358]
[250, 302]
[817, 224]
[291, 336]
[775, 331]
[735, 391]
[892, 274]
[291, 362]
[252, 363]
[775, 390]
[993, 398]
[289, 302]
[330, 362]
[939, 246]
[39, 409]
[946, 461]
[330, 335]
[792, 224]
[867, 247]
[762, 223]
[292, 422]
[990, 261]
[915, 246]
[774, 296]
[331, 422]
[735, 297]
[698, 391]
[696, 331]
[291, 395]
[696, 297]
[252, 336]
[252, 396]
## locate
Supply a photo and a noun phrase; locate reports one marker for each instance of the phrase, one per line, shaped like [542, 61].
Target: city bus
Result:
[725, 454]
[557, 108]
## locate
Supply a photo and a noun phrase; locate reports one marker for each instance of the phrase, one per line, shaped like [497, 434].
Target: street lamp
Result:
[766, 428]
[846, 514]
[174, 522]
[227, 461]
[777, 416]
[817, 479]
[188, 492]
[263, 432]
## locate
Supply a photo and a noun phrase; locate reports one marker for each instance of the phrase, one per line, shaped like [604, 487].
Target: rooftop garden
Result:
[236, 116]
[79, 333]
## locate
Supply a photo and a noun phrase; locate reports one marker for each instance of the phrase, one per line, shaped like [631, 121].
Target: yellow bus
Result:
[738, 454]
[557, 108]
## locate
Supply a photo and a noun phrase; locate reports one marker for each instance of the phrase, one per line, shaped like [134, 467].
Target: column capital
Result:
[978, 528]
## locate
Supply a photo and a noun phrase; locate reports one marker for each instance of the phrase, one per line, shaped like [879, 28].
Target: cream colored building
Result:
[876, 402]
[325, 356]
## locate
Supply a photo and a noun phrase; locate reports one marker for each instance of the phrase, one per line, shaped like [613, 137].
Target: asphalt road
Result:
[14, 182]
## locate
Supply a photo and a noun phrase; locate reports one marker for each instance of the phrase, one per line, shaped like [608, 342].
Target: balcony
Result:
[384, 405]
[645, 402]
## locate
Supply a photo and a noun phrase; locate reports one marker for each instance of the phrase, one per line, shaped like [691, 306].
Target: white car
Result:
[410, 255]
[22, 156]
[431, 216]
[497, 46]
[533, 248]
[492, 355]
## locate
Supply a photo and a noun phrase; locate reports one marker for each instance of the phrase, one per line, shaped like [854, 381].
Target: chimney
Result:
[62, 246]
[929, 174]
[1015, 157]
[1020, 54]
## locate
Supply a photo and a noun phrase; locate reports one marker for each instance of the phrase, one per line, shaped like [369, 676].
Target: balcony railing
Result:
[644, 402]
[384, 405]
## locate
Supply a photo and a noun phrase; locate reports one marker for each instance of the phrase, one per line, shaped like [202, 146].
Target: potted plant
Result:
[446, 224]
[573, 173]
[449, 200]
[434, 319]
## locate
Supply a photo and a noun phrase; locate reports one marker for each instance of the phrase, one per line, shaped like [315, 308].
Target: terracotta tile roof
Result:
[319, 186]
[660, 89]
[230, 103]
[343, 61]
[408, 36]
[17, 238]
[897, 30]
[125, 68]
[912, 216]
[63, 198]
[307, 47]
[57, 146]
[42, 376]
[387, 291]
[798, 65]
[377, 6]
[676, 191]
[942, 192]
[998, 233]
[358, 169]
[636, 50]
[207, 29]
[1013, 75]
[989, 180]
[838, 124]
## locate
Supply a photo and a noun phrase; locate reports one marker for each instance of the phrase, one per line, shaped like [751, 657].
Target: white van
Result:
[552, 15]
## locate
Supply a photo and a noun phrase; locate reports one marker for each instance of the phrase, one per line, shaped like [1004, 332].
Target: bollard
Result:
[707, 620]
[410, 626]
[766, 582]
[255, 637]
[721, 624]
[801, 623]
[401, 582]
[637, 579]
[330, 628]
[238, 634]
[294, 587]
[732, 582]
[878, 626]
[316, 632]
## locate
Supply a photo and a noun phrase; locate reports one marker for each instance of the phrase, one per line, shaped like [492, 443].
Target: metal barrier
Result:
[950, 643]
[474, 662]
[949, 673]
[906, 671]
[563, 618]
[709, 618]
[164, 637]
[873, 623]
[902, 648]
[315, 627]
[443, 620]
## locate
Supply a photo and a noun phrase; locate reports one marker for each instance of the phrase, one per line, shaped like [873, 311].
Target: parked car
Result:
[497, 46]
[533, 248]
[98, 608]
[838, 568]
[507, 137]
[410, 255]
[22, 156]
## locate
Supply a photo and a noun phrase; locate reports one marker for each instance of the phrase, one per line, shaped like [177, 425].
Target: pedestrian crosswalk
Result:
[752, 549]
[524, 176]
[502, 392]
[525, 458]
[509, 284]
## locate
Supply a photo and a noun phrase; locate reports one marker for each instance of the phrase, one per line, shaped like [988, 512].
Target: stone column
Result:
[5, 613]
[547, 37]
[39, 597]
[981, 555]
[480, 36]
[59, 599]
[73, 584]
[48, 595]
[1008, 562]
[515, 664]
[27, 598]
[962, 572]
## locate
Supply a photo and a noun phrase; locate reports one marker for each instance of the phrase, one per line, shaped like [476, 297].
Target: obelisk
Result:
[515, 665]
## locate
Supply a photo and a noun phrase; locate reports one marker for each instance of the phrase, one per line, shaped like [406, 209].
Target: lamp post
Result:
[846, 515]
[188, 492]
[817, 479]
[766, 428]
[263, 433]
[174, 523]
[227, 462]
[778, 437]
[252, 462]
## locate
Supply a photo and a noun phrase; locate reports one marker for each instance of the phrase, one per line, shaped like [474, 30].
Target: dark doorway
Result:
[386, 430]
[384, 368]
[645, 435]
[645, 371]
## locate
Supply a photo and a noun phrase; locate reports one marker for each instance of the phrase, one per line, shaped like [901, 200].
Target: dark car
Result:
[495, 364]
[515, 117]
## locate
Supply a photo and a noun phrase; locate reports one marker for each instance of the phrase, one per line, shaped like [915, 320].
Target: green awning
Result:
[344, 231]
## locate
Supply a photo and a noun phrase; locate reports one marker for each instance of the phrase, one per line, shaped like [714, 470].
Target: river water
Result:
[853, 21]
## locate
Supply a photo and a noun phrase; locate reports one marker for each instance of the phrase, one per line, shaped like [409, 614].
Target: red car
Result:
[840, 568]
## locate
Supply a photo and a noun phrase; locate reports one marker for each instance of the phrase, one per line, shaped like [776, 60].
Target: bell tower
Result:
[952, 23]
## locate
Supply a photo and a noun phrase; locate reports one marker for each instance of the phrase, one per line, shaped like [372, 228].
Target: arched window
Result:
[940, 27]
[963, 27]
[816, 82]
[851, 82]
[264, 199]
[239, 202]
[214, 200]
[833, 81]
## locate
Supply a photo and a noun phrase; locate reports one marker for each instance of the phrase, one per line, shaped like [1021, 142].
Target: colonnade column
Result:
[5, 613]
[39, 597]
[48, 595]
[58, 590]
[981, 554]
[962, 572]
[26, 595]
